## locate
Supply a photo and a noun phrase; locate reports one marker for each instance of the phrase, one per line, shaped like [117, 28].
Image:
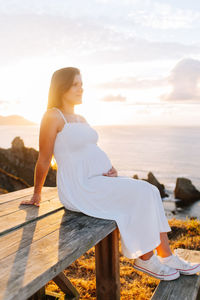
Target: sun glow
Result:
[53, 163]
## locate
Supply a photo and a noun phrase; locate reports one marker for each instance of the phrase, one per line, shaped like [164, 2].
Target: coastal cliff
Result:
[17, 166]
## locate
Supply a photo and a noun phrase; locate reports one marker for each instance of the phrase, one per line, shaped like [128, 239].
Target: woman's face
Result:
[74, 94]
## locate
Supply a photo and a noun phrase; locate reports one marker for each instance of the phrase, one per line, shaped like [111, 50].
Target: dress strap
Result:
[60, 112]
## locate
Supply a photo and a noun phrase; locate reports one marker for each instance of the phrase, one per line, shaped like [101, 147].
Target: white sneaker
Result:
[154, 268]
[183, 266]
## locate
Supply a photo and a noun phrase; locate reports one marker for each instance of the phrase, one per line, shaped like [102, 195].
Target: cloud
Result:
[185, 81]
[163, 16]
[112, 98]
[133, 83]
[80, 39]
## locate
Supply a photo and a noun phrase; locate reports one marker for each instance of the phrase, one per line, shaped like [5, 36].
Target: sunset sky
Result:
[140, 60]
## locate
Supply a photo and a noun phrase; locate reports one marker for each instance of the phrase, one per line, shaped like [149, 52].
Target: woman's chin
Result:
[79, 101]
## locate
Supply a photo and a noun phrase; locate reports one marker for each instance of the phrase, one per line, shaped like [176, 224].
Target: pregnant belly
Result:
[97, 160]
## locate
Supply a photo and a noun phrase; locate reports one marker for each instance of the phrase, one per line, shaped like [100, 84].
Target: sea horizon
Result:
[168, 152]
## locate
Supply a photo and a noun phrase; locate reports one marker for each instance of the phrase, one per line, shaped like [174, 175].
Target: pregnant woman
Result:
[88, 183]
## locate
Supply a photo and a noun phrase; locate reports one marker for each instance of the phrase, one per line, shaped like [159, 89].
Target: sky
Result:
[139, 60]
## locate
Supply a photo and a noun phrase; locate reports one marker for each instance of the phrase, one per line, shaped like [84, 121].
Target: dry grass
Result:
[134, 284]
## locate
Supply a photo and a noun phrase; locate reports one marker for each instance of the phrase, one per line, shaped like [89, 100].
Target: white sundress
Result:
[134, 204]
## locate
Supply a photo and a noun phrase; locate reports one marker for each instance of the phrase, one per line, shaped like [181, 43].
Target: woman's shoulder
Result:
[51, 116]
[82, 119]
[51, 113]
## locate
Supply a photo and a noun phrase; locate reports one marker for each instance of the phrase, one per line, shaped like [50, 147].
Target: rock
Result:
[186, 191]
[152, 179]
[135, 176]
[17, 166]
[17, 143]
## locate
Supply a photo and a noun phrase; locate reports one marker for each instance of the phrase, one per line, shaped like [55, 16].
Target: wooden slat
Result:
[32, 232]
[31, 267]
[185, 287]
[27, 214]
[14, 205]
[16, 194]
[21, 193]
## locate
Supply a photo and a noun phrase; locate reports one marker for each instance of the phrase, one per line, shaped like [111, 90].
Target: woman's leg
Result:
[147, 255]
[163, 249]
[152, 264]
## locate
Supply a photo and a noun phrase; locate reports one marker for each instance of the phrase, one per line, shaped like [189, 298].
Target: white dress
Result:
[135, 205]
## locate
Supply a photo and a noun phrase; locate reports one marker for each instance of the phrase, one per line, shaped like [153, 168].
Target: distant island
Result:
[15, 120]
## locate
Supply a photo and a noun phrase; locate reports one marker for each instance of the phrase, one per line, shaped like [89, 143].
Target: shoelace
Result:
[163, 269]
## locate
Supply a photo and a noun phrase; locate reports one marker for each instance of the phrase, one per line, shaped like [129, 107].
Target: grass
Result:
[134, 284]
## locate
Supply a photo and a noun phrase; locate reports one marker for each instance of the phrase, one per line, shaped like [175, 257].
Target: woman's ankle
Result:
[164, 254]
[146, 256]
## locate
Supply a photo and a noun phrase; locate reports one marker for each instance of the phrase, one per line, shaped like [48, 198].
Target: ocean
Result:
[168, 152]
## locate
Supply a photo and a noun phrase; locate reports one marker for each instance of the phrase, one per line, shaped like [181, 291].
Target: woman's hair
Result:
[61, 82]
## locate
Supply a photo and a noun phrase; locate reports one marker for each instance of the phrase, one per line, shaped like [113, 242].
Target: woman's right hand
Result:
[35, 200]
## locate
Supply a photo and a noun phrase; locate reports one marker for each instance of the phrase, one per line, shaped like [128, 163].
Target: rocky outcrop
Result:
[10, 181]
[186, 191]
[152, 179]
[17, 166]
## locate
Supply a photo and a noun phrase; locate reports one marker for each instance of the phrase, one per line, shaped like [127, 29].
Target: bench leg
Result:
[107, 267]
[66, 286]
[39, 295]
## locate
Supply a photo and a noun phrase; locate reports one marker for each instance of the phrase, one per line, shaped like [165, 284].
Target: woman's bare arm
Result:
[48, 131]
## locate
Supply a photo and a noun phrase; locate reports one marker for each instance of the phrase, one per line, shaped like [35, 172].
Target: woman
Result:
[87, 182]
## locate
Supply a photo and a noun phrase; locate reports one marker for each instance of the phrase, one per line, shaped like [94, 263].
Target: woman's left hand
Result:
[111, 173]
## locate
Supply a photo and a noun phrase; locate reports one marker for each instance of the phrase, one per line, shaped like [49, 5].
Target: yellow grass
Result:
[134, 284]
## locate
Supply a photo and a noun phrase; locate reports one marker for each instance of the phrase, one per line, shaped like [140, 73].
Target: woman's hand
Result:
[111, 173]
[35, 200]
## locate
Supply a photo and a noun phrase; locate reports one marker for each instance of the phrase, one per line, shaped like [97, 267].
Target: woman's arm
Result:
[48, 131]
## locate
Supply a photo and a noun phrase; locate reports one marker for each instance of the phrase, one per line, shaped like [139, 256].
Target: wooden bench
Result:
[183, 288]
[37, 244]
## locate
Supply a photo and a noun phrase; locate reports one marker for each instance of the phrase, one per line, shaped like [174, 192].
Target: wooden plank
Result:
[28, 214]
[5, 198]
[32, 232]
[31, 267]
[185, 287]
[107, 267]
[66, 286]
[14, 205]
[16, 194]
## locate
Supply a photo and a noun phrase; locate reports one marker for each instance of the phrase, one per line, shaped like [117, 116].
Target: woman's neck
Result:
[68, 109]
